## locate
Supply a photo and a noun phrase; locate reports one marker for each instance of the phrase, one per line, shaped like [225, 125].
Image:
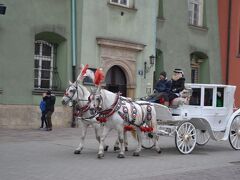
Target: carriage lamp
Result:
[148, 89]
[2, 9]
[148, 67]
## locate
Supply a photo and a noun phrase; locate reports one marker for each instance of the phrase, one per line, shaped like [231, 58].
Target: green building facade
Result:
[43, 43]
[188, 38]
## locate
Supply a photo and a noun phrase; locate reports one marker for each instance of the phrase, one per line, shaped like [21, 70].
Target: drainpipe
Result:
[73, 48]
[229, 40]
[73, 38]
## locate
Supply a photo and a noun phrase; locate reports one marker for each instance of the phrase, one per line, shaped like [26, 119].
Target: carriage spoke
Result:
[234, 134]
[185, 138]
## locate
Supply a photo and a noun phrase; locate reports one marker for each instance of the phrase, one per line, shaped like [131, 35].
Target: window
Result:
[195, 12]
[43, 64]
[208, 97]
[195, 99]
[195, 74]
[120, 2]
[220, 97]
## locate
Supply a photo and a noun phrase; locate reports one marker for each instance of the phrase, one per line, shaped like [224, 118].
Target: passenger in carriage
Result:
[178, 82]
[161, 89]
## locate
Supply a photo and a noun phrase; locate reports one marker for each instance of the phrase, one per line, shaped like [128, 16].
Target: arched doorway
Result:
[199, 67]
[116, 80]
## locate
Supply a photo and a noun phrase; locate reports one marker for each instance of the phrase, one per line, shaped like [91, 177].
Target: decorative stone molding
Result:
[120, 53]
[120, 44]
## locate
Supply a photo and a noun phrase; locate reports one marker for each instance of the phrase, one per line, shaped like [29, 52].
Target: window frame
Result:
[192, 14]
[119, 3]
[40, 57]
[208, 97]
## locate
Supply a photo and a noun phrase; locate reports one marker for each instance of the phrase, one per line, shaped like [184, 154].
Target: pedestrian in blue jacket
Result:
[42, 106]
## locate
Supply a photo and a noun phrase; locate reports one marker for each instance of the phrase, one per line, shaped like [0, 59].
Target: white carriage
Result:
[207, 113]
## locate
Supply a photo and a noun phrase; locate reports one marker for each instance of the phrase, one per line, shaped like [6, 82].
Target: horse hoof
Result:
[126, 148]
[121, 156]
[159, 151]
[100, 156]
[116, 148]
[106, 148]
[77, 152]
[136, 154]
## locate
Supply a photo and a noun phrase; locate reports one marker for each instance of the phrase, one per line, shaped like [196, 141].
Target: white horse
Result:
[78, 94]
[118, 112]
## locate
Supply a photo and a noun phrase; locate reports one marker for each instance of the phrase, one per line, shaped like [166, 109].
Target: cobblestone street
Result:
[35, 154]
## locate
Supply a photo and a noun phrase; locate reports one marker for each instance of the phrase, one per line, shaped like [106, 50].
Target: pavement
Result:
[34, 154]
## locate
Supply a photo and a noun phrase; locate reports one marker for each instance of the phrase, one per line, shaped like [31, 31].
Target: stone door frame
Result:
[123, 54]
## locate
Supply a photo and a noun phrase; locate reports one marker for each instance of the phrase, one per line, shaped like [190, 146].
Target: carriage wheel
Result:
[234, 134]
[185, 138]
[203, 137]
[147, 140]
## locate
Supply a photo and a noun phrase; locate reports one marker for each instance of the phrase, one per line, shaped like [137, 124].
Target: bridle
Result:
[70, 98]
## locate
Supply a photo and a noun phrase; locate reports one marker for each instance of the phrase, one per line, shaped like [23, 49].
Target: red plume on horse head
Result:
[99, 76]
[83, 70]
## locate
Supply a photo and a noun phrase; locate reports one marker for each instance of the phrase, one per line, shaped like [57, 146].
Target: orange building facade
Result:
[229, 29]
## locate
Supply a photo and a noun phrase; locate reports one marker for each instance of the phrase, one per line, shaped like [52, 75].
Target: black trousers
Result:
[43, 119]
[49, 119]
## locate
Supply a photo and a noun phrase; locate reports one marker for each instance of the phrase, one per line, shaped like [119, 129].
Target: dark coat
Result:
[163, 86]
[178, 85]
[50, 102]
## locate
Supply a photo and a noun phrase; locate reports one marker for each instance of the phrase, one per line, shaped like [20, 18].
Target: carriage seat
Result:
[183, 99]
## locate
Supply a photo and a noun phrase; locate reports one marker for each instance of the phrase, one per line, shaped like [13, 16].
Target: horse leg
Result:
[125, 140]
[106, 130]
[97, 128]
[122, 143]
[116, 145]
[156, 142]
[139, 147]
[84, 127]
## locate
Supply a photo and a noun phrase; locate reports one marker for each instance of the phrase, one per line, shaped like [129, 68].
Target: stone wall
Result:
[27, 116]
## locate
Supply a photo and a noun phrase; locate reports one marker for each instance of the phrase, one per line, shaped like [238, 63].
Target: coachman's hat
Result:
[178, 70]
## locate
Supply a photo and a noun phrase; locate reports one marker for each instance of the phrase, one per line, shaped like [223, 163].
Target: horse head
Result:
[70, 94]
[75, 93]
[95, 101]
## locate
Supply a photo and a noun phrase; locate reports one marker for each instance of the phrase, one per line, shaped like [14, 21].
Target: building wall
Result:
[177, 40]
[24, 19]
[230, 56]
[134, 25]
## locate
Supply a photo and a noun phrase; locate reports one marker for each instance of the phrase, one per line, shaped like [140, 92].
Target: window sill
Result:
[161, 19]
[201, 28]
[41, 91]
[121, 7]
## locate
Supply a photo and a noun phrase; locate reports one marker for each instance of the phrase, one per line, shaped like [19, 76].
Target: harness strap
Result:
[83, 109]
[104, 114]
